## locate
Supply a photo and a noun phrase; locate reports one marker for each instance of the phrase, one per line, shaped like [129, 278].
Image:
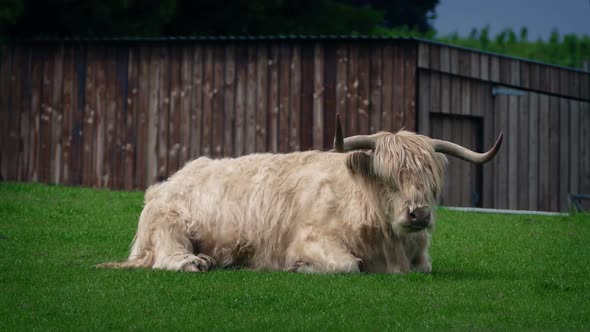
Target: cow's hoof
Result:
[300, 266]
[200, 263]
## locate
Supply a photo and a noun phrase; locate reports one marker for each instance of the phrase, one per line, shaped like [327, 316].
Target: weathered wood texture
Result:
[545, 152]
[124, 116]
[503, 70]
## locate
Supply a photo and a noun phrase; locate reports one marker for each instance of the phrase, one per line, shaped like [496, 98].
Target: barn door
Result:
[463, 181]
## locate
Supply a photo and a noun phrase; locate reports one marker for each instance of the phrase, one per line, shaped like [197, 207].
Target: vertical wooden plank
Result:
[554, 153]
[207, 90]
[143, 99]
[363, 88]
[515, 72]
[398, 88]
[273, 99]
[5, 95]
[435, 57]
[466, 177]
[564, 82]
[375, 89]
[241, 77]
[318, 96]
[250, 128]
[352, 88]
[484, 67]
[100, 102]
[295, 99]
[45, 116]
[534, 74]
[585, 86]
[465, 96]
[77, 150]
[229, 101]
[108, 121]
[454, 61]
[475, 71]
[445, 59]
[544, 152]
[446, 134]
[261, 97]
[501, 194]
[155, 67]
[197, 103]
[164, 112]
[37, 64]
[533, 152]
[410, 87]
[435, 93]
[494, 68]
[341, 82]
[564, 153]
[69, 102]
[525, 78]
[186, 96]
[555, 84]
[424, 102]
[489, 135]
[445, 93]
[15, 113]
[505, 71]
[284, 87]
[455, 95]
[513, 155]
[574, 143]
[218, 99]
[307, 94]
[574, 84]
[464, 63]
[523, 149]
[174, 113]
[25, 113]
[130, 139]
[584, 167]
[122, 112]
[477, 92]
[330, 64]
[456, 165]
[423, 55]
[388, 87]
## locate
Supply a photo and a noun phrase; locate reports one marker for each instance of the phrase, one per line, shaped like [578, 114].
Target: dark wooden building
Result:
[123, 113]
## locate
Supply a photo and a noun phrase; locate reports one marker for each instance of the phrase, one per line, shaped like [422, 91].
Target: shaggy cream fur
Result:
[305, 211]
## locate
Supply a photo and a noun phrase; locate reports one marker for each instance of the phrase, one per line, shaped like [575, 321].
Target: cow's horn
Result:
[360, 142]
[461, 152]
[338, 136]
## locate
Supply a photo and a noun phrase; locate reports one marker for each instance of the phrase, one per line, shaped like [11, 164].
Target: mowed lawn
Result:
[490, 271]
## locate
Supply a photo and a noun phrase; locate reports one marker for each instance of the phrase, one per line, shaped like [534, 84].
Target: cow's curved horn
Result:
[461, 152]
[360, 142]
[338, 136]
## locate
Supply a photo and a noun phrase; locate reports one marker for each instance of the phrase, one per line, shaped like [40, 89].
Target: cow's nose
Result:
[420, 215]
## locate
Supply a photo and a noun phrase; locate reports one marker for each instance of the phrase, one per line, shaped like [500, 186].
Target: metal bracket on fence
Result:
[500, 90]
[576, 200]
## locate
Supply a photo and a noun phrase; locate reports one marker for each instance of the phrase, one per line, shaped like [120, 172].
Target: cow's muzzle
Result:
[418, 218]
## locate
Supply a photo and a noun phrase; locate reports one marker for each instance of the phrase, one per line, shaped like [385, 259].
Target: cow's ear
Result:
[360, 163]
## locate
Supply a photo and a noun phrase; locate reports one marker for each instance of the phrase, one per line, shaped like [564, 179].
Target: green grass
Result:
[489, 272]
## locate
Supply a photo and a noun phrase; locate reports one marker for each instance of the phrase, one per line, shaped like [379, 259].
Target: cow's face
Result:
[408, 175]
[411, 175]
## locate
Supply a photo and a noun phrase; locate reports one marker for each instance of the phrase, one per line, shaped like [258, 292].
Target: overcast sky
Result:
[539, 16]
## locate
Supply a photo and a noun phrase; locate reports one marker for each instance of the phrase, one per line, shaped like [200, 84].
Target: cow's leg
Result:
[422, 263]
[173, 248]
[322, 256]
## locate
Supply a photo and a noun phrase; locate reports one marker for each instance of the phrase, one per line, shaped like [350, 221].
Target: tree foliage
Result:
[229, 17]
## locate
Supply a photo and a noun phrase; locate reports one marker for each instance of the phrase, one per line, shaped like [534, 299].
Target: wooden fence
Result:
[124, 116]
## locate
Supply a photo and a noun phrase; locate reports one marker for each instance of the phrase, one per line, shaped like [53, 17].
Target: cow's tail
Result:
[142, 255]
